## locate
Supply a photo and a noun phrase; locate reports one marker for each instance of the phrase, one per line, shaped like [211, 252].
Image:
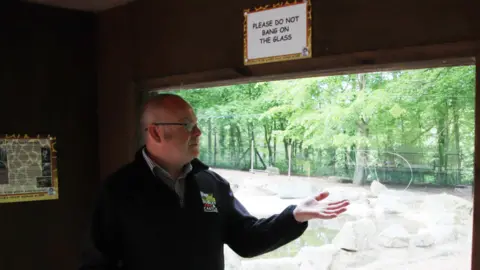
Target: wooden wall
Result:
[180, 37]
[48, 85]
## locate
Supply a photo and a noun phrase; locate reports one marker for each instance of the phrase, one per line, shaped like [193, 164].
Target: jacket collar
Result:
[197, 165]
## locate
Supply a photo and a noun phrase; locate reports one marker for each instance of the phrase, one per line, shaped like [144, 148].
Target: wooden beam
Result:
[450, 54]
[180, 81]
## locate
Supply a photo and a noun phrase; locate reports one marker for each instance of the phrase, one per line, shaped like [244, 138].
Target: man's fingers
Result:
[326, 216]
[329, 214]
[335, 212]
[321, 196]
[338, 205]
[338, 202]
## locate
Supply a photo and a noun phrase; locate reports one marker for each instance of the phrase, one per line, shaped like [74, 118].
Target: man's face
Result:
[181, 142]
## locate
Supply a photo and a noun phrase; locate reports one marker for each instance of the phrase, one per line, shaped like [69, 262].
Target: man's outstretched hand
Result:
[314, 208]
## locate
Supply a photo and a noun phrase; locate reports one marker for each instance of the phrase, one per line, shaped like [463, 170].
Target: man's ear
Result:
[155, 134]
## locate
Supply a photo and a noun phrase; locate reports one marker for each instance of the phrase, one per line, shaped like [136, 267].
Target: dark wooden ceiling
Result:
[83, 5]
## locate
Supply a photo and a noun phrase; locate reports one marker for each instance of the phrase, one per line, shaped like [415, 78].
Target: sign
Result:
[28, 169]
[278, 33]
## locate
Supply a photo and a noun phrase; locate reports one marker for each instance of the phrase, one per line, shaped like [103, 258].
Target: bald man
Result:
[167, 210]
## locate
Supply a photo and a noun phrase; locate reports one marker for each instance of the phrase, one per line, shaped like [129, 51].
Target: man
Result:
[167, 210]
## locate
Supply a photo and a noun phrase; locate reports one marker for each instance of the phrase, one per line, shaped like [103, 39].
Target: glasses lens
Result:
[190, 126]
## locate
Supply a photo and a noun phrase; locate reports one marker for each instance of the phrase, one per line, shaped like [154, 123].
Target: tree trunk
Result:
[456, 131]
[360, 175]
[441, 141]
[274, 151]
[285, 144]
[232, 146]
[252, 138]
[238, 134]
[268, 137]
[222, 142]
[215, 147]
[333, 159]
[210, 152]
[345, 160]
[274, 158]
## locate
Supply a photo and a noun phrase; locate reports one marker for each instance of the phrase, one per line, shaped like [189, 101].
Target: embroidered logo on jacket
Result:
[209, 202]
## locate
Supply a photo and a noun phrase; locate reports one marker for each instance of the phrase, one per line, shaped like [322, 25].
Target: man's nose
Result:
[196, 131]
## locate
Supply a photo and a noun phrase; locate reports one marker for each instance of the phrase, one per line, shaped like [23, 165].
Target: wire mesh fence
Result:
[403, 168]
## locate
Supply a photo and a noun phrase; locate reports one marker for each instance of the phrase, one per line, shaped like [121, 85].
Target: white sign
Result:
[277, 34]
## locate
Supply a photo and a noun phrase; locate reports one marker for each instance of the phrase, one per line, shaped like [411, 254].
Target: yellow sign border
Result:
[36, 196]
[278, 58]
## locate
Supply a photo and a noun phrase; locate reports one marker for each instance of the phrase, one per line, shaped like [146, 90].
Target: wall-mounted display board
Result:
[277, 32]
[28, 168]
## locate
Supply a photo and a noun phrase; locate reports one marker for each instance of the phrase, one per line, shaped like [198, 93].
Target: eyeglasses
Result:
[188, 126]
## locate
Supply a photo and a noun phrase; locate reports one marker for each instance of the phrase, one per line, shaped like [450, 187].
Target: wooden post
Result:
[476, 173]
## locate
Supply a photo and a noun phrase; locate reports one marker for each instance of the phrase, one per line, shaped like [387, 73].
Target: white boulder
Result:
[356, 235]
[395, 236]
[316, 258]
[296, 190]
[271, 264]
[232, 260]
[423, 238]
[377, 188]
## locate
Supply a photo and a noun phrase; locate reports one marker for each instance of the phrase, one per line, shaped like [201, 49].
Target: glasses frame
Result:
[188, 126]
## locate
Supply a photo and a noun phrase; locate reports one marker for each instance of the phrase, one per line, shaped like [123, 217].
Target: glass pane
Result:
[399, 145]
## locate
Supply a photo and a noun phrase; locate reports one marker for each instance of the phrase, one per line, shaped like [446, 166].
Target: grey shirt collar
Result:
[158, 171]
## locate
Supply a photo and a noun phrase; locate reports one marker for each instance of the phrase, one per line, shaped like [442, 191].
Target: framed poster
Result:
[28, 168]
[278, 32]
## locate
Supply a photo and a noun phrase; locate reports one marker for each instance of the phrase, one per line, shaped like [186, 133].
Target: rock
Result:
[345, 193]
[232, 260]
[372, 202]
[316, 258]
[355, 235]
[446, 209]
[359, 210]
[332, 224]
[443, 233]
[423, 238]
[271, 264]
[377, 188]
[353, 260]
[340, 179]
[395, 236]
[243, 191]
[234, 187]
[390, 205]
[296, 190]
[272, 170]
[264, 206]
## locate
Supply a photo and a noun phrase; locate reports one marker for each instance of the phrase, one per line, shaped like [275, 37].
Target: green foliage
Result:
[425, 116]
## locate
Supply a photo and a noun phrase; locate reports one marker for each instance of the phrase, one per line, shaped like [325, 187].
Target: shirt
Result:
[177, 185]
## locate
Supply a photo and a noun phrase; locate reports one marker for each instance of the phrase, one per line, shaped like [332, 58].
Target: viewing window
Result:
[399, 145]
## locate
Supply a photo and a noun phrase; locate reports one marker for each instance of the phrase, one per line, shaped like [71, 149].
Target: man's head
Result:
[171, 131]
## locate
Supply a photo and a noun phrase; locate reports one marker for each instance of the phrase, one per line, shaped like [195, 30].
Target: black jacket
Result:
[138, 223]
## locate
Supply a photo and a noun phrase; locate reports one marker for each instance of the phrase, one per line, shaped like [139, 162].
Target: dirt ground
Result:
[235, 177]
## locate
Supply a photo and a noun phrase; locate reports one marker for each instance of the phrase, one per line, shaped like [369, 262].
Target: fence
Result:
[416, 168]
